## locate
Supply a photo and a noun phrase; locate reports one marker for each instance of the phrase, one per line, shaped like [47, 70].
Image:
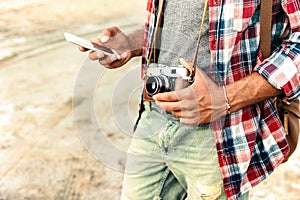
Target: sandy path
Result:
[40, 150]
[41, 154]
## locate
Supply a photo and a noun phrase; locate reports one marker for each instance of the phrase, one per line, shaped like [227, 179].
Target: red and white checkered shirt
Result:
[250, 142]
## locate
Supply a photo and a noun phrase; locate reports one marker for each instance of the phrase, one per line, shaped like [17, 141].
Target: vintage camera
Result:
[161, 78]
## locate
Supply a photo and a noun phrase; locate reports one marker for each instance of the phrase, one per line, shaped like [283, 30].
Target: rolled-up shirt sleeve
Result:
[282, 68]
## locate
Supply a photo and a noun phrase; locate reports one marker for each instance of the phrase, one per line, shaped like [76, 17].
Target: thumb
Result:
[186, 64]
[198, 74]
[189, 66]
[109, 33]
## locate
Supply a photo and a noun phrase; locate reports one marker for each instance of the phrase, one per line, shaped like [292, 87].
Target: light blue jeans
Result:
[171, 161]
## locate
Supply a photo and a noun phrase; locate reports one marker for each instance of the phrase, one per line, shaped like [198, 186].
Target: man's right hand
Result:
[128, 46]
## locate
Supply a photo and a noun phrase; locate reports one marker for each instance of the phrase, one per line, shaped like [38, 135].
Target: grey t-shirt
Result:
[179, 35]
[181, 25]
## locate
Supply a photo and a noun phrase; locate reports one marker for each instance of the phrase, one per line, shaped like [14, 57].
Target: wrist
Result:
[226, 100]
[218, 101]
[248, 91]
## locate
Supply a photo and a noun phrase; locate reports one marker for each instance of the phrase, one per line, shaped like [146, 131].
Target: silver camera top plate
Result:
[174, 72]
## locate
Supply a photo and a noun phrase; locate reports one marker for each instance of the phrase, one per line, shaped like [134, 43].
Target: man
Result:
[228, 106]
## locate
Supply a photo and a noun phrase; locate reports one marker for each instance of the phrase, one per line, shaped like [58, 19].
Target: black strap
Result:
[141, 110]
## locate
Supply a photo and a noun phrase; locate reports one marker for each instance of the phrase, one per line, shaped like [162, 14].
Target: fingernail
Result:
[112, 58]
[104, 39]
[182, 60]
[100, 54]
[124, 55]
[154, 98]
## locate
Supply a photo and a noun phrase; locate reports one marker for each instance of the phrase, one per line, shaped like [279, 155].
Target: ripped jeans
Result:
[171, 161]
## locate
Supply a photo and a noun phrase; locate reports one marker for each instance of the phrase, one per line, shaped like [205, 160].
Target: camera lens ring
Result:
[157, 84]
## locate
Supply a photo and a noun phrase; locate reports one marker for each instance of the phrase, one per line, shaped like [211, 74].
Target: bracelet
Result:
[226, 101]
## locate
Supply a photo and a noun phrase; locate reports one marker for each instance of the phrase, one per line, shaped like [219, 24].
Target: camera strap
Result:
[193, 71]
[153, 49]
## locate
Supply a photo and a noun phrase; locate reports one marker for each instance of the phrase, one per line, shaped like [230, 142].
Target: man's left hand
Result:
[201, 102]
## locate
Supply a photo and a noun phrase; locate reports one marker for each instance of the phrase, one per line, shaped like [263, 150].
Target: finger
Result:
[182, 114]
[186, 105]
[106, 36]
[93, 55]
[112, 63]
[185, 94]
[187, 111]
[100, 41]
[166, 97]
[125, 57]
[82, 49]
[177, 113]
[190, 121]
[107, 60]
[169, 106]
[108, 33]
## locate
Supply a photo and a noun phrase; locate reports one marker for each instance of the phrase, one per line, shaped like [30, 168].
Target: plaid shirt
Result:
[250, 142]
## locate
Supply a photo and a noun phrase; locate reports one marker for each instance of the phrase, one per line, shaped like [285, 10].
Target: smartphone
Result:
[91, 46]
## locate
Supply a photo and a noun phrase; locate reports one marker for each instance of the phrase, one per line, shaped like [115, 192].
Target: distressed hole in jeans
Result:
[209, 192]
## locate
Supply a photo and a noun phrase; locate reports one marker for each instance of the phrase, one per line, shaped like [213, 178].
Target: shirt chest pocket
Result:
[243, 11]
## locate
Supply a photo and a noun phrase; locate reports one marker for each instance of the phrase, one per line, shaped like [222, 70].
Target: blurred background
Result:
[42, 155]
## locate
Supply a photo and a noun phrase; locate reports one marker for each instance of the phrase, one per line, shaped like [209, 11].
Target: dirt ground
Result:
[49, 144]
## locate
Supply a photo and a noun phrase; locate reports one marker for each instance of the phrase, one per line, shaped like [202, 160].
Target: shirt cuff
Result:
[281, 69]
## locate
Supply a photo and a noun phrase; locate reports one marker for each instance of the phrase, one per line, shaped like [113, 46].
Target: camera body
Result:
[161, 78]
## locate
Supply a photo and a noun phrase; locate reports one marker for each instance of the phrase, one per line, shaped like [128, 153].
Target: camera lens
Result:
[157, 84]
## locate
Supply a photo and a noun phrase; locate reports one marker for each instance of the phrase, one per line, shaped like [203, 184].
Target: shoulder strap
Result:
[265, 27]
